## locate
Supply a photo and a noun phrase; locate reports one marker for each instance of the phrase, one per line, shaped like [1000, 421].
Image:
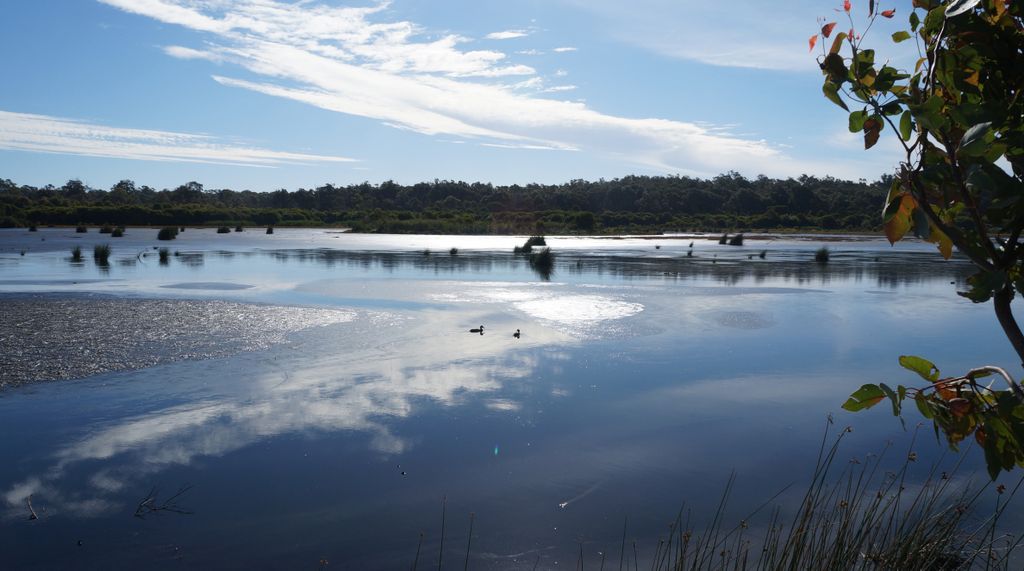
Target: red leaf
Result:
[810, 42]
[846, 5]
[889, 13]
[826, 30]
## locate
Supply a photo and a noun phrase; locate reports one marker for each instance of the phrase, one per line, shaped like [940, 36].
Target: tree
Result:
[959, 116]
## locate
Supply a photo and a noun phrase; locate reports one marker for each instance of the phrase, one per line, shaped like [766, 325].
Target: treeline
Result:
[630, 204]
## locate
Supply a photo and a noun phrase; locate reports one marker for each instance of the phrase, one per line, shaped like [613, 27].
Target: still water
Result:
[647, 371]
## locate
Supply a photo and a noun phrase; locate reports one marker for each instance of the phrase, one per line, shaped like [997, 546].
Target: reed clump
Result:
[106, 229]
[76, 254]
[118, 232]
[822, 255]
[239, 228]
[863, 518]
[101, 254]
[165, 256]
[270, 229]
[223, 230]
[167, 233]
[81, 229]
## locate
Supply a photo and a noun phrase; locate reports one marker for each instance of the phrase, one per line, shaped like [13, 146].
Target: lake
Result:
[317, 395]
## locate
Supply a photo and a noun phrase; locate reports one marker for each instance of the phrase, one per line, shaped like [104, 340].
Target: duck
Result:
[475, 330]
[516, 334]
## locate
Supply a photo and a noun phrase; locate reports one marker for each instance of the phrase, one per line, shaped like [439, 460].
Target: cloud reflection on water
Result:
[311, 387]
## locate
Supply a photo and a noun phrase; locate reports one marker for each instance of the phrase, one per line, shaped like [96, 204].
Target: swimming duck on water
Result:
[516, 334]
[479, 330]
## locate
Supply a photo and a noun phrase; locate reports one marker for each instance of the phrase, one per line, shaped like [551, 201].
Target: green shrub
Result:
[239, 228]
[167, 233]
[118, 232]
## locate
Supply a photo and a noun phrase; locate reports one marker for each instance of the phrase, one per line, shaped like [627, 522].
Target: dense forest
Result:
[630, 204]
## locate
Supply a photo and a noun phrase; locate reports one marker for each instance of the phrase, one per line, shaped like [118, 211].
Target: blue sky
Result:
[267, 94]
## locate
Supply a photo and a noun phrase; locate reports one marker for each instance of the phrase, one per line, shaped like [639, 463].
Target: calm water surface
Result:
[644, 377]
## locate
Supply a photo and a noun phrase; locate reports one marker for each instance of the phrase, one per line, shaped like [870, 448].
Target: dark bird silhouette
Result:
[516, 334]
[475, 330]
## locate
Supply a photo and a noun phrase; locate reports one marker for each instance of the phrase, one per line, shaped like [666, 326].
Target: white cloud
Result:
[344, 60]
[45, 134]
[507, 35]
[189, 53]
[564, 49]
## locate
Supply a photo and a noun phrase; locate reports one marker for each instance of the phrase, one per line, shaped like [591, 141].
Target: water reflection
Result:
[889, 271]
[361, 389]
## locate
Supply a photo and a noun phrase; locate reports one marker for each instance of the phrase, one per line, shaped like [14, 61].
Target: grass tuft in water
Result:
[76, 254]
[543, 263]
[101, 253]
[736, 240]
[223, 230]
[270, 229]
[165, 256]
[822, 255]
[239, 228]
[106, 229]
[33, 228]
[118, 232]
[453, 252]
[81, 229]
[167, 233]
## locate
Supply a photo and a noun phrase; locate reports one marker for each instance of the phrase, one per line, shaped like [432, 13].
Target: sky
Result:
[269, 94]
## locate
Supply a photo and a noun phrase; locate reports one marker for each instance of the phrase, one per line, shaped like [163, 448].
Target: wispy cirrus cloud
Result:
[46, 134]
[349, 60]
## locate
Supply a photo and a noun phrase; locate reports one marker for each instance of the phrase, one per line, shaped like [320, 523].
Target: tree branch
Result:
[1004, 313]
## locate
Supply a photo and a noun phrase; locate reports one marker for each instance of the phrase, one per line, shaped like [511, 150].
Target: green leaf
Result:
[864, 398]
[831, 91]
[922, 226]
[974, 141]
[892, 397]
[983, 285]
[906, 125]
[923, 367]
[922, 406]
[901, 36]
[857, 119]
